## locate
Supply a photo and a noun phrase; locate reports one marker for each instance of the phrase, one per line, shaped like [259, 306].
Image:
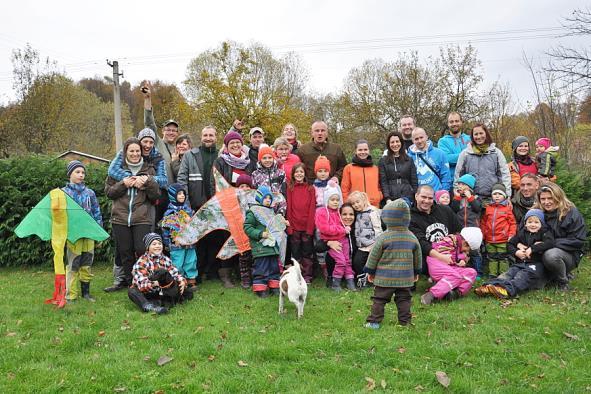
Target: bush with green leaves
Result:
[576, 183]
[24, 181]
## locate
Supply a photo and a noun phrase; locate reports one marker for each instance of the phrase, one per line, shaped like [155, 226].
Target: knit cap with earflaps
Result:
[173, 192]
[472, 235]
[396, 214]
[332, 188]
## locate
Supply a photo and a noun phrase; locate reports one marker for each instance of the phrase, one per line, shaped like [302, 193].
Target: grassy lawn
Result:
[229, 341]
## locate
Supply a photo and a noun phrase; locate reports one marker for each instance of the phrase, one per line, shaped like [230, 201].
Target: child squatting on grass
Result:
[80, 254]
[393, 265]
[149, 289]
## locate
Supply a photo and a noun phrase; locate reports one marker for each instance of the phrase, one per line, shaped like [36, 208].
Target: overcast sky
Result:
[156, 39]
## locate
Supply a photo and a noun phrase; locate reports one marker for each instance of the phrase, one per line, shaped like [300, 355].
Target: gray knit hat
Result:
[146, 133]
[520, 139]
[151, 237]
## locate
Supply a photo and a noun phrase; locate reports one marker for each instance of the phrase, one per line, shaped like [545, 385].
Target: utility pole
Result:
[117, 103]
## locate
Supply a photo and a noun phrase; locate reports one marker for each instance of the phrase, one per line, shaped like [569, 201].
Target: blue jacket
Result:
[86, 198]
[441, 179]
[117, 172]
[452, 147]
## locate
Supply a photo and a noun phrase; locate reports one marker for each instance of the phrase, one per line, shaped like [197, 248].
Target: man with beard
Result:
[406, 125]
[524, 198]
[431, 222]
[455, 142]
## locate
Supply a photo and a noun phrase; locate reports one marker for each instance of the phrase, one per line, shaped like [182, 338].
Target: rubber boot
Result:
[225, 277]
[351, 285]
[85, 287]
[159, 310]
[336, 284]
[59, 291]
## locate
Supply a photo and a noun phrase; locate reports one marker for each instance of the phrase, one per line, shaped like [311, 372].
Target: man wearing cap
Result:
[257, 137]
[320, 145]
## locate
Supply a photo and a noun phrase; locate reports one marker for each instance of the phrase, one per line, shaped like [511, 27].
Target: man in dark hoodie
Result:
[431, 222]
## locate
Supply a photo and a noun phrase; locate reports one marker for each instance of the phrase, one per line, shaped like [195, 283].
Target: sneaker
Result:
[427, 298]
[498, 291]
[159, 310]
[563, 287]
[482, 291]
[373, 326]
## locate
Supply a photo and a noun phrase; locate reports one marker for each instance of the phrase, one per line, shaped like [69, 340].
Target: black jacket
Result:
[545, 237]
[398, 178]
[570, 233]
[430, 227]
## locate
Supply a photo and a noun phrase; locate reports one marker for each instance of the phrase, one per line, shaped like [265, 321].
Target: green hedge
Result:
[577, 186]
[24, 181]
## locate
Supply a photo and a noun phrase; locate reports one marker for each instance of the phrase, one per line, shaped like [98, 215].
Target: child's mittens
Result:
[265, 234]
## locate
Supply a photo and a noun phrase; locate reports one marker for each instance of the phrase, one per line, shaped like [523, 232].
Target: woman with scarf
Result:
[521, 162]
[485, 162]
[398, 174]
[362, 175]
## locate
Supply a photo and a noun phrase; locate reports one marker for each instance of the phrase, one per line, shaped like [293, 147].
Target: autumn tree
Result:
[235, 81]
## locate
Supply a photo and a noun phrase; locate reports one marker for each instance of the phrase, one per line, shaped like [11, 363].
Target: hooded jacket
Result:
[396, 256]
[488, 169]
[398, 178]
[274, 178]
[174, 207]
[86, 198]
[452, 147]
[441, 178]
[254, 230]
[498, 223]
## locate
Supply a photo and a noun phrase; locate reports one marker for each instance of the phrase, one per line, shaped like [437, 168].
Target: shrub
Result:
[24, 181]
[577, 186]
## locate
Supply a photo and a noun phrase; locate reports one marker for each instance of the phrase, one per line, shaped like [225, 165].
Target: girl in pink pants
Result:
[452, 277]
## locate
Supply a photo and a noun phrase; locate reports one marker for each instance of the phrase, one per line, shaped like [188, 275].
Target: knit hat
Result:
[518, 141]
[499, 188]
[232, 135]
[262, 192]
[151, 237]
[244, 179]
[439, 194]
[322, 162]
[396, 214]
[264, 149]
[173, 192]
[73, 165]
[468, 180]
[537, 213]
[146, 133]
[472, 235]
[544, 141]
[332, 188]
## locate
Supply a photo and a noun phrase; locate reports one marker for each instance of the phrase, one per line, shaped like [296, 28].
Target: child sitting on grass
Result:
[393, 265]
[331, 228]
[368, 226]
[453, 278]
[528, 246]
[80, 254]
[263, 244]
[148, 293]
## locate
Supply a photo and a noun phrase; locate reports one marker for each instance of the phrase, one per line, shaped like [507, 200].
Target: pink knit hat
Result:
[439, 194]
[544, 141]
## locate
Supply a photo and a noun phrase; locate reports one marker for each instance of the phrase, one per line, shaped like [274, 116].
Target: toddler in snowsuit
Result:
[80, 255]
[528, 246]
[393, 265]
[546, 158]
[175, 218]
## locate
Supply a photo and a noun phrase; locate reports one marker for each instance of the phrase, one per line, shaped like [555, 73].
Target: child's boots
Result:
[85, 287]
[336, 284]
[351, 284]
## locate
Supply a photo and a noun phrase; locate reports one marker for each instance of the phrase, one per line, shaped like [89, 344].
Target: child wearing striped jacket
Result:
[393, 265]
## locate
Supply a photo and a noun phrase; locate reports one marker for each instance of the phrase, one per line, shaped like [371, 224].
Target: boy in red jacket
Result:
[497, 224]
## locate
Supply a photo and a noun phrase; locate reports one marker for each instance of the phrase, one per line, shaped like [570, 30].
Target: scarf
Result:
[362, 162]
[135, 168]
[319, 183]
[526, 202]
[236, 162]
[480, 149]
[526, 160]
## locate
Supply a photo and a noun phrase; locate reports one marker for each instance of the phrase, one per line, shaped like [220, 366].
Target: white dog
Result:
[293, 286]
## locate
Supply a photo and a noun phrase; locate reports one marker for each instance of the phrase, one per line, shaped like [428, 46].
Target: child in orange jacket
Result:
[498, 223]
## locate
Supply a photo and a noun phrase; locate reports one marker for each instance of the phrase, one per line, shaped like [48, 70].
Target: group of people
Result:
[421, 210]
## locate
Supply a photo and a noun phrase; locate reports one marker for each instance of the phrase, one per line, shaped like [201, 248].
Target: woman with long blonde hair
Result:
[568, 226]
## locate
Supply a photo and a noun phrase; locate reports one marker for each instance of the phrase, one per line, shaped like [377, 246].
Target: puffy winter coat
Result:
[254, 229]
[363, 179]
[329, 224]
[398, 178]
[488, 169]
[498, 223]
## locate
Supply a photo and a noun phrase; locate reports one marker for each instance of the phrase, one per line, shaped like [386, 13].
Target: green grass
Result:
[110, 346]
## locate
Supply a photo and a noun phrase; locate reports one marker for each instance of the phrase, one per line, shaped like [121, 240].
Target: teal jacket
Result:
[254, 229]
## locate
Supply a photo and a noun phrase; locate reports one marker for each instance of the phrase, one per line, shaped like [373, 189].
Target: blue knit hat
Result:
[537, 213]
[262, 192]
[151, 237]
[469, 180]
[173, 192]
[73, 165]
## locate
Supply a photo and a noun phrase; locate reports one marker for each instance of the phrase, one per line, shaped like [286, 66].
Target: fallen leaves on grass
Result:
[383, 384]
[419, 388]
[545, 356]
[211, 357]
[101, 333]
[442, 378]
[571, 336]
[119, 389]
[371, 384]
[11, 334]
[242, 363]
[164, 360]
[401, 350]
